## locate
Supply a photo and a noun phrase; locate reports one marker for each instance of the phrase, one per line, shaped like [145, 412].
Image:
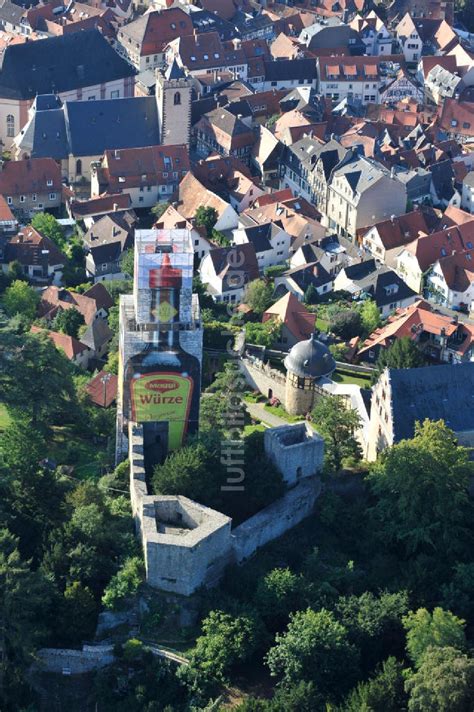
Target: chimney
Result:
[115, 207]
[392, 172]
[20, 237]
[392, 218]
[117, 155]
[237, 43]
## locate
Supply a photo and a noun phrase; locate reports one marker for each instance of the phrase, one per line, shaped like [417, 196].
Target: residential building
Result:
[297, 322]
[286, 74]
[52, 67]
[401, 87]
[226, 271]
[409, 38]
[403, 397]
[334, 35]
[439, 337]
[149, 175]
[441, 84]
[31, 185]
[97, 338]
[415, 259]
[206, 53]
[74, 350]
[374, 34]
[102, 389]
[327, 251]
[357, 79]
[297, 280]
[104, 243]
[451, 280]
[456, 118]
[89, 211]
[271, 243]
[361, 193]
[222, 132]
[192, 194]
[93, 304]
[143, 42]
[41, 260]
[385, 239]
[384, 286]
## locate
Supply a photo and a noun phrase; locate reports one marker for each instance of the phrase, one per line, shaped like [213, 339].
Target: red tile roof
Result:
[71, 346]
[100, 393]
[32, 175]
[30, 247]
[291, 312]
[153, 165]
[103, 204]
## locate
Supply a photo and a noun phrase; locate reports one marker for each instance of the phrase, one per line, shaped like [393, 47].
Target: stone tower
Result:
[307, 362]
[173, 98]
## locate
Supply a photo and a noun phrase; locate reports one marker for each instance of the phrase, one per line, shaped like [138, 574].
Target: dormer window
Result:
[49, 183]
[193, 58]
[216, 55]
[206, 56]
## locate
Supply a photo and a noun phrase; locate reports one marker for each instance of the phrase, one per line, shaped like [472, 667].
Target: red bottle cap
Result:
[166, 276]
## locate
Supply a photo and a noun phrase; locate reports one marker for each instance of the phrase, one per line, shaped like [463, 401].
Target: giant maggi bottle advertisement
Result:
[163, 380]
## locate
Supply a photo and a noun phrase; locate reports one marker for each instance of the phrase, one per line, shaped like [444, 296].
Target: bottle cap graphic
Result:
[165, 276]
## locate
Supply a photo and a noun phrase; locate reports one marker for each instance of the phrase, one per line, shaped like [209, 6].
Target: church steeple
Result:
[173, 98]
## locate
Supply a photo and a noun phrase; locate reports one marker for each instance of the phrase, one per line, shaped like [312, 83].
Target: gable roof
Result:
[71, 346]
[88, 304]
[101, 393]
[428, 249]
[192, 194]
[434, 392]
[153, 30]
[398, 231]
[30, 247]
[231, 262]
[36, 175]
[458, 270]
[108, 203]
[293, 314]
[97, 334]
[134, 167]
[60, 64]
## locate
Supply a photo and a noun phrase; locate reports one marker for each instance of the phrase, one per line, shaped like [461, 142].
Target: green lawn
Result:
[86, 456]
[358, 379]
[279, 411]
[322, 324]
[4, 418]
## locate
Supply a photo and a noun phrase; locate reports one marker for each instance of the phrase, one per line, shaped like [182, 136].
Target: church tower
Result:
[173, 98]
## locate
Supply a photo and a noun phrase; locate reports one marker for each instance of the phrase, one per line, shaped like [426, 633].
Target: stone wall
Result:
[276, 519]
[297, 451]
[187, 545]
[75, 662]
[261, 377]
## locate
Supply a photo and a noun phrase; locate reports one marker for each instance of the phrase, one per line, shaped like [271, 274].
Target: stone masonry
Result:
[297, 451]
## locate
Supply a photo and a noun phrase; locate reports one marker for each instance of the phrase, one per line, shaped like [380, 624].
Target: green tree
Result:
[127, 262]
[346, 323]
[444, 682]
[427, 630]
[263, 334]
[206, 217]
[458, 594]
[374, 624]
[258, 295]
[226, 641]
[465, 12]
[20, 298]
[382, 693]
[370, 316]
[403, 353]
[68, 321]
[78, 614]
[311, 295]
[36, 380]
[316, 649]
[125, 583]
[337, 424]
[48, 226]
[279, 593]
[421, 486]
[25, 597]
[158, 209]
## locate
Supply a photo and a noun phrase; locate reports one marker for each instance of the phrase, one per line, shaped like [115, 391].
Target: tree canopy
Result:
[338, 425]
[68, 321]
[258, 295]
[47, 225]
[20, 298]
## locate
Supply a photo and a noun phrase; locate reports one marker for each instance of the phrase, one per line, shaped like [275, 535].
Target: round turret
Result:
[306, 363]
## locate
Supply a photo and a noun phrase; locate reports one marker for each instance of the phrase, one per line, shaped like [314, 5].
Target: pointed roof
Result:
[174, 71]
[293, 314]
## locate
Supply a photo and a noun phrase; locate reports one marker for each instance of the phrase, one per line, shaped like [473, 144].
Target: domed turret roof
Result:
[310, 359]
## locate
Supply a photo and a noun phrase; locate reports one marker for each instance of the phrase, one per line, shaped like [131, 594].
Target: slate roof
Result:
[225, 261]
[94, 126]
[312, 273]
[97, 334]
[434, 392]
[383, 293]
[286, 69]
[60, 64]
[260, 236]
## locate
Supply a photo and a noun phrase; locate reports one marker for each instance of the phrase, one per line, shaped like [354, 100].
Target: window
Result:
[115, 94]
[49, 183]
[22, 198]
[52, 196]
[33, 197]
[91, 98]
[78, 167]
[10, 125]
[177, 98]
